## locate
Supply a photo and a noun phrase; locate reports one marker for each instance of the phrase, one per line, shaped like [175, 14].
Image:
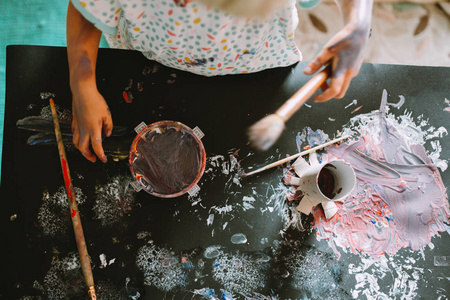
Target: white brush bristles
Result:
[247, 8]
[264, 133]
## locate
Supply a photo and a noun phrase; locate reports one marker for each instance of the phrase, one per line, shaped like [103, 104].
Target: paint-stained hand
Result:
[91, 116]
[345, 53]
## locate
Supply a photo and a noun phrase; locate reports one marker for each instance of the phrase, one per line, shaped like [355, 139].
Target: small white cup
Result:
[323, 184]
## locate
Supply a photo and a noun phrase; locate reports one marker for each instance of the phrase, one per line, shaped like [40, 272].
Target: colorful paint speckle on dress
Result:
[195, 37]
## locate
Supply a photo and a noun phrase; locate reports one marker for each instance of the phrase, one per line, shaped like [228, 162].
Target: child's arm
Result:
[345, 50]
[90, 111]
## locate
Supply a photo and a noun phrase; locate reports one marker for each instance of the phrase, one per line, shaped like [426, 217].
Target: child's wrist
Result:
[78, 86]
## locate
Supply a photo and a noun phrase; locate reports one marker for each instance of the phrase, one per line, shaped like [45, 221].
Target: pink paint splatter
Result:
[399, 200]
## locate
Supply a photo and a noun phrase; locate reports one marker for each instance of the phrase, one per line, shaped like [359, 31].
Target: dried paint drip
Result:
[114, 200]
[239, 273]
[161, 268]
[399, 199]
[54, 215]
[167, 159]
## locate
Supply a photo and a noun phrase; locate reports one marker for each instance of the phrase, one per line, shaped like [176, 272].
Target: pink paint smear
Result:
[399, 199]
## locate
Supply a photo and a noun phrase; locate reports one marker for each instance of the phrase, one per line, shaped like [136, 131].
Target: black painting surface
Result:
[223, 107]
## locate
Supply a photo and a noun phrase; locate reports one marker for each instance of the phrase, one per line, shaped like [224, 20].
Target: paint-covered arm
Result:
[345, 49]
[91, 114]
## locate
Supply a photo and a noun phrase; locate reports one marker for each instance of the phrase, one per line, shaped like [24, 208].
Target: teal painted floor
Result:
[29, 22]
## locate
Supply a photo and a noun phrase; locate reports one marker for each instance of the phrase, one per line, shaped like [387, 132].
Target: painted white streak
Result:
[210, 220]
[354, 102]
[247, 202]
[399, 103]
[103, 262]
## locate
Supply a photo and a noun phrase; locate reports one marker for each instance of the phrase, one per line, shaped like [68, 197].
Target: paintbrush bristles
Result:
[264, 133]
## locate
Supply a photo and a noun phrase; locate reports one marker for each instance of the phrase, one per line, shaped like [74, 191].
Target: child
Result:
[207, 37]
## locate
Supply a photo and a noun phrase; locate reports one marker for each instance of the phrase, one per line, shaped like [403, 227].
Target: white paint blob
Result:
[239, 238]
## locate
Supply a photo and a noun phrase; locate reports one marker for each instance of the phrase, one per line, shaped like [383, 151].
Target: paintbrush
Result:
[76, 221]
[264, 133]
[284, 160]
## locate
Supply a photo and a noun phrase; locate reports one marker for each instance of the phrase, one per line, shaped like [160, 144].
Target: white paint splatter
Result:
[247, 202]
[160, 268]
[399, 103]
[314, 273]
[354, 102]
[54, 213]
[103, 262]
[370, 275]
[238, 273]
[212, 252]
[64, 279]
[224, 225]
[210, 220]
[114, 200]
[222, 210]
[47, 95]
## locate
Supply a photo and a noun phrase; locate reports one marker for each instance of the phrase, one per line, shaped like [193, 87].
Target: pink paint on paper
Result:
[400, 199]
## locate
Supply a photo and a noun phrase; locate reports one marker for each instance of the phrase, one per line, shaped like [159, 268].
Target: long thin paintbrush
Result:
[264, 133]
[76, 221]
[284, 160]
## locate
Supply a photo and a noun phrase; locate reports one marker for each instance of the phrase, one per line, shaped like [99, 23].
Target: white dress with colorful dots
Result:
[195, 37]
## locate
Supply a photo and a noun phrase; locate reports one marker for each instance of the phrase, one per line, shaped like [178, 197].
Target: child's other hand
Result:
[344, 52]
[91, 115]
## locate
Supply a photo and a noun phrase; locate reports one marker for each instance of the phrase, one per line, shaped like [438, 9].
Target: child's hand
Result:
[90, 115]
[344, 52]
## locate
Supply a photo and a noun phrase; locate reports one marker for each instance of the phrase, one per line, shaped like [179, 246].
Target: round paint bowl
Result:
[167, 159]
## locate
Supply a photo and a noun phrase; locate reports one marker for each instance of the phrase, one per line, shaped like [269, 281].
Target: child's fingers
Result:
[96, 142]
[76, 134]
[332, 91]
[321, 59]
[107, 126]
[347, 79]
[83, 146]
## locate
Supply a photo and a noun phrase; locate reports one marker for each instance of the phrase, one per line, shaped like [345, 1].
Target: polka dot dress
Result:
[194, 37]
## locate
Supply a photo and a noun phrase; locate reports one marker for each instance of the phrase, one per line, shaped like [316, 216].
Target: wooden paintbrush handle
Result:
[76, 221]
[289, 158]
[302, 95]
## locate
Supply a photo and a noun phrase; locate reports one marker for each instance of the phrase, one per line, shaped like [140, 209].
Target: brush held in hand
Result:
[264, 133]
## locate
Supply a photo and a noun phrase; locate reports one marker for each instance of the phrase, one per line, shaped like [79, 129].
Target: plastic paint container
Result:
[167, 159]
